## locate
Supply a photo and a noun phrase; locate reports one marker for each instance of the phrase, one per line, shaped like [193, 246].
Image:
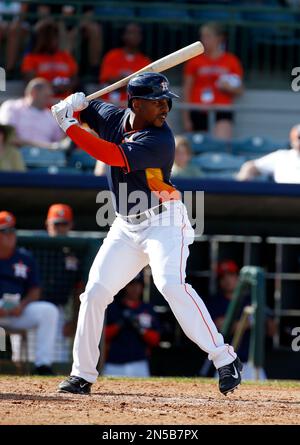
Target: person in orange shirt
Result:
[121, 62]
[211, 79]
[47, 61]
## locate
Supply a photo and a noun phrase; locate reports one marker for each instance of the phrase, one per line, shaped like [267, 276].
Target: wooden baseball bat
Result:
[173, 59]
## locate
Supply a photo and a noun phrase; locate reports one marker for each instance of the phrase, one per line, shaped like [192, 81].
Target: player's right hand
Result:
[77, 101]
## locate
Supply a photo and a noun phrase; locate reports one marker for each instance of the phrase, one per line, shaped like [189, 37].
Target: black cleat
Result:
[230, 376]
[75, 385]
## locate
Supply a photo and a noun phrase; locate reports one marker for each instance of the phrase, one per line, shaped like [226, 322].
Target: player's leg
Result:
[168, 251]
[43, 317]
[116, 264]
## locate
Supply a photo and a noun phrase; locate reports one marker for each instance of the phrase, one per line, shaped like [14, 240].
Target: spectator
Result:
[10, 158]
[182, 167]
[283, 165]
[14, 31]
[62, 278]
[33, 121]
[121, 62]
[88, 34]
[228, 276]
[131, 331]
[19, 295]
[212, 79]
[48, 61]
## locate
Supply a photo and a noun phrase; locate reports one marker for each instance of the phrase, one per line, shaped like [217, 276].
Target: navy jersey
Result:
[18, 274]
[60, 275]
[128, 345]
[148, 155]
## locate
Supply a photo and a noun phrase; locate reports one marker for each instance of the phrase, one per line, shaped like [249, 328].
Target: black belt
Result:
[138, 219]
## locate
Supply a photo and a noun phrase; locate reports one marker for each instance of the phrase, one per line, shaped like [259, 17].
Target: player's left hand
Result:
[63, 114]
[77, 101]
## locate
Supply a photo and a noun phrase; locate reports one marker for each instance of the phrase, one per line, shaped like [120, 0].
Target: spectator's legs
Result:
[17, 35]
[42, 316]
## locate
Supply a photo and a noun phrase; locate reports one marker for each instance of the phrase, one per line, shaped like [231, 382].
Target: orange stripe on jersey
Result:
[164, 191]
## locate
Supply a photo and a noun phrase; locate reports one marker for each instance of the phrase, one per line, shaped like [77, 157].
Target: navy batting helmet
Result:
[151, 86]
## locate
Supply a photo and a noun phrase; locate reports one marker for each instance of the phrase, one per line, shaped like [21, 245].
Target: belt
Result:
[138, 219]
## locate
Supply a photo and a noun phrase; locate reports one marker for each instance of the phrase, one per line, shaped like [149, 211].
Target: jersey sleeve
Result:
[267, 163]
[150, 150]
[99, 116]
[189, 68]
[33, 279]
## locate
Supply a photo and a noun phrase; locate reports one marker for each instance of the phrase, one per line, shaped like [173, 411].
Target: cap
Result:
[227, 266]
[60, 213]
[7, 220]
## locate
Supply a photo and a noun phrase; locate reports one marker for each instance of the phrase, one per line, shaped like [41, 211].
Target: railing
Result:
[265, 39]
[255, 278]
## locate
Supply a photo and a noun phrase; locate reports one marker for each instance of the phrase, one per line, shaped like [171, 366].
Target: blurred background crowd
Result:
[237, 121]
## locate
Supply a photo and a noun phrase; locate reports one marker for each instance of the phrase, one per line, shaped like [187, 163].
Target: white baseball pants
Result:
[126, 250]
[43, 317]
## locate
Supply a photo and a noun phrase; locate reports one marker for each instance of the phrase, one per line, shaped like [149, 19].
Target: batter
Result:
[138, 146]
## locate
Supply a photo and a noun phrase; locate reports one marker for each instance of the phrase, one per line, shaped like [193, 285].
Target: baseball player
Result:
[138, 147]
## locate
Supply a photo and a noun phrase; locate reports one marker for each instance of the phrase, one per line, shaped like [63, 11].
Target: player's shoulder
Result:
[21, 253]
[105, 106]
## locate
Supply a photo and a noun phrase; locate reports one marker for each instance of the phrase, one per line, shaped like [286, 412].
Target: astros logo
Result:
[164, 86]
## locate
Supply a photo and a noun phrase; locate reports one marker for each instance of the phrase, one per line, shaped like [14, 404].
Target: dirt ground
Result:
[34, 401]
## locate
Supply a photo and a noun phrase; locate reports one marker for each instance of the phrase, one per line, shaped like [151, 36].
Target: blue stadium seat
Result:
[257, 146]
[217, 162]
[41, 157]
[272, 33]
[81, 161]
[166, 12]
[201, 143]
[215, 15]
[54, 170]
[110, 11]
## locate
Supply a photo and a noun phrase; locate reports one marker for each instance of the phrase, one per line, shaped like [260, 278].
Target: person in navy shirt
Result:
[131, 331]
[151, 225]
[19, 294]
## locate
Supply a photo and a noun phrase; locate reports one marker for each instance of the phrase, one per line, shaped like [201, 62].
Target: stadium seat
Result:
[54, 170]
[81, 160]
[41, 157]
[257, 146]
[201, 143]
[218, 162]
[167, 12]
[215, 15]
[111, 11]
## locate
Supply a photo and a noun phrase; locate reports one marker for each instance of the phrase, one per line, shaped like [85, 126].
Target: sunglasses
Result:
[8, 230]
[61, 223]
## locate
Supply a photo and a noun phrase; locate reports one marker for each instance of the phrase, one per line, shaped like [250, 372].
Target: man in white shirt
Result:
[31, 117]
[283, 164]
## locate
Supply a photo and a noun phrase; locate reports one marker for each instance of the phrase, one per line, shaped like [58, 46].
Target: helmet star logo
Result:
[164, 86]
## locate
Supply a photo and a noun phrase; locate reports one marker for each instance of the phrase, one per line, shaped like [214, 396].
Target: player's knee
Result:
[48, 311]
[168, 288]
[97, 294]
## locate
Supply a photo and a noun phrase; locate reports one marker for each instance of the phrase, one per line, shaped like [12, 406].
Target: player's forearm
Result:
[98, 148]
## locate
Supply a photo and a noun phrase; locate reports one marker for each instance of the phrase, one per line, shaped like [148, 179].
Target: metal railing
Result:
[255, 278]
